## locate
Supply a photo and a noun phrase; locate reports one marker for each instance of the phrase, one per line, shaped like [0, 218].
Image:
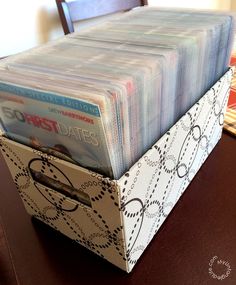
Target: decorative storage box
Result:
[117, 219]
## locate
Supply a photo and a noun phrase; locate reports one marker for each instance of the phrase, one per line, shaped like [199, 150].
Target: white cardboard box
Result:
[124, 214]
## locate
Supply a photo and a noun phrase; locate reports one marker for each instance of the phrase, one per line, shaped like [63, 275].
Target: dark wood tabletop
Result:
[195, 245]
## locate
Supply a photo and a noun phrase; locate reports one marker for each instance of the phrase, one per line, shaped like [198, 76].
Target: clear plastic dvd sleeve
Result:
[101, 97]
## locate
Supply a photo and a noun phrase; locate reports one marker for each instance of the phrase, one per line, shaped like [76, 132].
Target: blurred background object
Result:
[74, 11]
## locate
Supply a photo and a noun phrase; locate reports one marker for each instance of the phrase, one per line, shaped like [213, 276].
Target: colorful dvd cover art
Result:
[62, 126]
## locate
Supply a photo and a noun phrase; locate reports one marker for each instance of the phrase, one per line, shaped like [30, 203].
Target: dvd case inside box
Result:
[117, 219]
[100, 98]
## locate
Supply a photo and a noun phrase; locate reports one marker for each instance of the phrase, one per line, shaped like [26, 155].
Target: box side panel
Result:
[97, 226]
[155, 183]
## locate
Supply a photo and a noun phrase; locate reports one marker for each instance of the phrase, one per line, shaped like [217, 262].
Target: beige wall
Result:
[28, 23]
[233, 5]
[203, 4]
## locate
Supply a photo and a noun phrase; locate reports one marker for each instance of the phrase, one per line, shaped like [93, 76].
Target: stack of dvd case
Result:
[100, 98]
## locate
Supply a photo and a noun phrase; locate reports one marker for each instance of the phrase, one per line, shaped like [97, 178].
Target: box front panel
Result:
[154, 184]
[90, 215]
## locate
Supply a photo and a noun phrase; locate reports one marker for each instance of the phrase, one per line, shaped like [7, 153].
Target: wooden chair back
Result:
[71, 11]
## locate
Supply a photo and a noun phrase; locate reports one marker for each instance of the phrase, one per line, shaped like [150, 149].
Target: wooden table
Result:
[200, 231]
